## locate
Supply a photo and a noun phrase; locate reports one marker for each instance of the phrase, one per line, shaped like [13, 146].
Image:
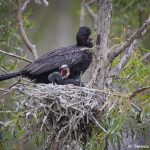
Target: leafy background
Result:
[56, 26]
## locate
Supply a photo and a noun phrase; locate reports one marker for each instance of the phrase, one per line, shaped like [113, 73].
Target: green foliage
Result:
[97, 141]
[9, 39]
[131, 12]
[136, 74]
[27, 21]
[122, 121]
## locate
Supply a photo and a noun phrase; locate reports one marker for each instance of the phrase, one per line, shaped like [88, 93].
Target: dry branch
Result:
[138, 91]
[16, 56]
[136, 36]
[25, 4]
[82, 13]
[129, 47]
[90, 11]
[101, 50]
[91, 2]
[128, 53]
[146, 58]
[4, 70]
[26, 40]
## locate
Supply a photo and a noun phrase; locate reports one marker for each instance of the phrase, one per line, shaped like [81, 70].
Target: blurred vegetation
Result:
[10, 40]
[135, 75]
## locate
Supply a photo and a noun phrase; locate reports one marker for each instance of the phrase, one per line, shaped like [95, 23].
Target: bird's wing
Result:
[55, 59]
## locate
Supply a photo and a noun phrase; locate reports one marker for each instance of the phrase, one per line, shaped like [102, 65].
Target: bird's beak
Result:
[60, 68]
[65, 72]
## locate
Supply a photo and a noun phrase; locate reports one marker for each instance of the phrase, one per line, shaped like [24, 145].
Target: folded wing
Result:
[53, 60]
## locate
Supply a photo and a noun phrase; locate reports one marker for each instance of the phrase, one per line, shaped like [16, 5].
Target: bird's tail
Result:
[9, 75]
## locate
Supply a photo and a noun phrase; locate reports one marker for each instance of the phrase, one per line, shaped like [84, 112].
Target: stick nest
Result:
[63, 113]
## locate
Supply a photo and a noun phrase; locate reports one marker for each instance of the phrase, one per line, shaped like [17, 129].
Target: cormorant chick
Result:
[60, 78]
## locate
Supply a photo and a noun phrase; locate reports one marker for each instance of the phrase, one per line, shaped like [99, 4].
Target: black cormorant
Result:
[78, 60]
[61, 78]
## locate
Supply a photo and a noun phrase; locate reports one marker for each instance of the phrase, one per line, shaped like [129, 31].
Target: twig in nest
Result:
[65, 112]
[66, 109]
[4, 90]
[15, 83]
[98, 124]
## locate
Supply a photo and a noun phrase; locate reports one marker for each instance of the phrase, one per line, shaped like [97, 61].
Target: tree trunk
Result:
[101, 62]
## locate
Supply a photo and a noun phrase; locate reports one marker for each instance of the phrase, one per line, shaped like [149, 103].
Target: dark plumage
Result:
[77, 60]
[57, 78]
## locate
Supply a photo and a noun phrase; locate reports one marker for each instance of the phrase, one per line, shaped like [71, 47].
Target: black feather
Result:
[9, 75]
[56, 77]
[77, 60]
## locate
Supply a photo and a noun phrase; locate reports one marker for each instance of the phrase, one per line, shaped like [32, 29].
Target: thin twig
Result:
[15, 83]
[91, 2]
[90, 12]
[127, 79]
[30, 46]
[4, 90]
[119, 67]
[98, 124]
[25, 4]
[7, 111]
[4, 70]
[129, 47]
[138, 91]
[137, 35]
[136, 107]
[82, 13]
[146, 57]
[15, 56]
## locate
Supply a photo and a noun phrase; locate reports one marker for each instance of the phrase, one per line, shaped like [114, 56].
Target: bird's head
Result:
[65, 71]
[83, 37]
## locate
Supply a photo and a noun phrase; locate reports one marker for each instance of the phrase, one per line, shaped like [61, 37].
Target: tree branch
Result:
[15, 56]
[25, 4]
[82, 13]
[5, 71]
[89, 10]
[27, 42]
[138, 91]
[91, 2]
[101, 50]
[133, 44]
[146, 58]
[115, 71]
[137, 35]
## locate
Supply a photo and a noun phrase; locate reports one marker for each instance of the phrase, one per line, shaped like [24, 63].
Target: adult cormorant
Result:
[78, 60]
[60, 78]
